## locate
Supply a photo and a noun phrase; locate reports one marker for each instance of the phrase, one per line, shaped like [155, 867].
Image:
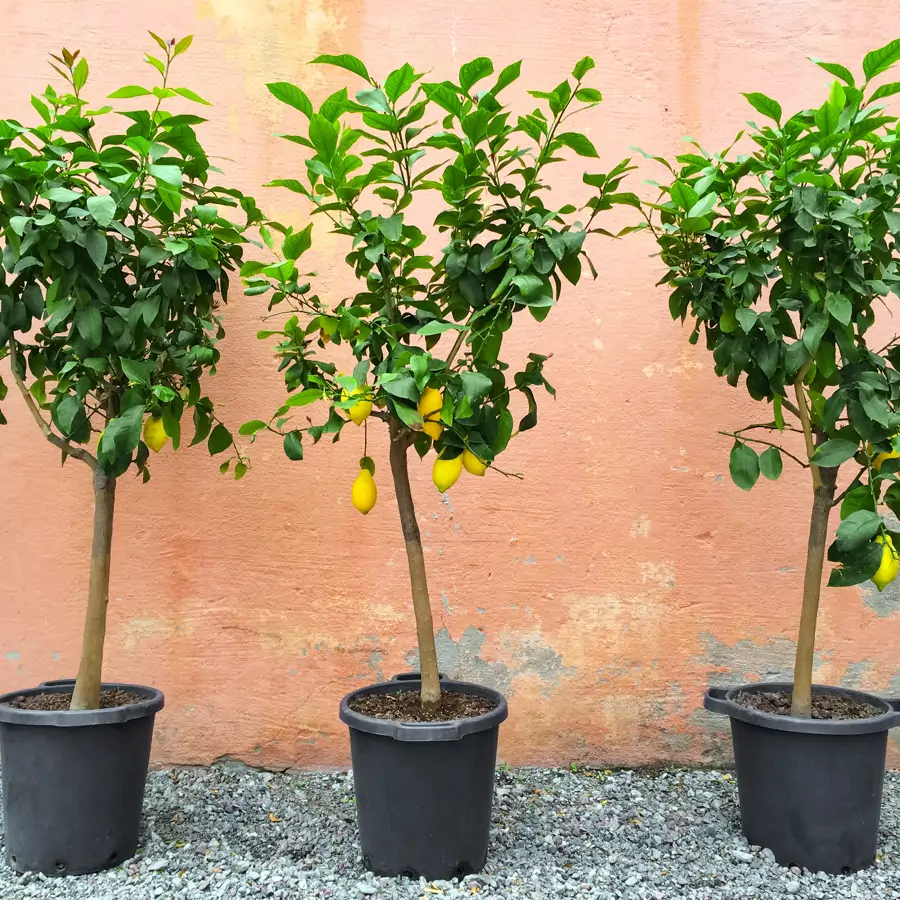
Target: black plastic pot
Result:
[810, 789]
[424, 791]
[73, 782]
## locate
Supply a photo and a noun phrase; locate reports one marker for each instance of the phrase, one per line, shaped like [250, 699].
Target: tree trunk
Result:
[87, 686]
[823, 497]
[431, 687]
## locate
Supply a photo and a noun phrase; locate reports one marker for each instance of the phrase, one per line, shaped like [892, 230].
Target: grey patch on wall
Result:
[884, 603]
[462, 660]
[855, 673]
[772, 661]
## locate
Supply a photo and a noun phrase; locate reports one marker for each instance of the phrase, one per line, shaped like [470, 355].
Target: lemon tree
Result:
[418, 347]
[116, 251]
[781, 257]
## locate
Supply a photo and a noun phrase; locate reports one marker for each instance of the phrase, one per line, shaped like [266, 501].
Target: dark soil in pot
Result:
[824, 706]
[73, 782]
[424, 788]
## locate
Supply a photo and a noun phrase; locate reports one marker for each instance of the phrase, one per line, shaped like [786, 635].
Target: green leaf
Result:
[168, 174]
[475, 385]
[344, 61]
[80, 74]
[861, 568]
[188, 94]
[839, 307]
[138, 371]
[770, 463]
[182, 45]
[472, 72]
[295, 245]
[507, 76]
[249, 428]
[96, 245]
[893, 220]
[304, 398]
[404, 387]
[886, 90]
[857, 529]
[827, 118]
[70, 418]
[881, 60]
[582, 67]
[834, 452]
[702, 206]
[836, 69]
[131, 90]
[240, 470]
[292, 95]
[683, 195]
[373, 98]
[577, 142]
[588, 95]
[437, 326]
[392, 227]
[744, 466]
[323, 135]
[61, 195]
[765, 105]
[120, 439]
[861, 498]
[103, 209]
[219, 440]
[293, 446]
[89, 323]
[399, 82]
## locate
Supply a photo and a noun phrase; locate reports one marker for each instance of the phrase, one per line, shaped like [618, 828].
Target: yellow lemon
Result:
[364, 493]
[155, 436]
[472, 463]
[359, 412]
[430, 404]
[881, 457]
[445, 472]
[890, 563]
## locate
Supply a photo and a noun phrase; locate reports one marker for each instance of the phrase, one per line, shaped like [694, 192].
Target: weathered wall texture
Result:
[605, 591]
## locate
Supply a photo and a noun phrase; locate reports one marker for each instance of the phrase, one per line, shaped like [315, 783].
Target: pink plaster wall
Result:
[603, 592]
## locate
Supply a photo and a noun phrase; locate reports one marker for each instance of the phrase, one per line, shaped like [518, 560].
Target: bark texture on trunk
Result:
[87, 686]
[431, 687]
[823, 497]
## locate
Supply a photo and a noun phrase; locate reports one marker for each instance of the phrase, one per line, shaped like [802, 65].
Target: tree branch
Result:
[739, 437]
[807, 426]
[61, 443]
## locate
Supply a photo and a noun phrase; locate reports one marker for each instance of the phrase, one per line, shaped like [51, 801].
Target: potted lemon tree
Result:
[116, 252]
[426, 333]
[782, 258]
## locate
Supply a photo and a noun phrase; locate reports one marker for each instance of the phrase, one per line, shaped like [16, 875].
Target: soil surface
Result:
[406, 706]
[824, 706]
[56, 702]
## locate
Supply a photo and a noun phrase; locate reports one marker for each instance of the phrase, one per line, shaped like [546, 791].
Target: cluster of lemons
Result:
[445, 472]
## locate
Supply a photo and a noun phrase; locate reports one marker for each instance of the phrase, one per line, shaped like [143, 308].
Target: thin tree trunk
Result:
[87, 686]
[431, 687]
[824, 481]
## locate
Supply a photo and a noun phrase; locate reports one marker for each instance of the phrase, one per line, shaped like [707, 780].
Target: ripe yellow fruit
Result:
[364, 494]
[445, 472]
[472, 463]
[881, 457]
[155, 436]
[890, 563]
[359, 412]
[430, 404]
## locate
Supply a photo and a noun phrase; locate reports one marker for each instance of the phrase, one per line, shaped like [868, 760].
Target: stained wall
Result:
[603, 592]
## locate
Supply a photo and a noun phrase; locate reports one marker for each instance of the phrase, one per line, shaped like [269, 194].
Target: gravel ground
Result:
[229, 832]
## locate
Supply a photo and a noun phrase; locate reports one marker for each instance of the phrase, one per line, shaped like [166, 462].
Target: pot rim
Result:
[452, 730]
[9, 715]
[722, 700]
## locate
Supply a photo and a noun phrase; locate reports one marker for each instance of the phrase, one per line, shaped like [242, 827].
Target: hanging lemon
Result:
[364, 494]
[359, 412]
[445, 472]
[472, 463]
[430, 404]
[890, 563]
[155, 436]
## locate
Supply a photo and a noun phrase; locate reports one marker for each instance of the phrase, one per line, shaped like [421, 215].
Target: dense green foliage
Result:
[115, 254]
[781, 258]
[499, 247]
